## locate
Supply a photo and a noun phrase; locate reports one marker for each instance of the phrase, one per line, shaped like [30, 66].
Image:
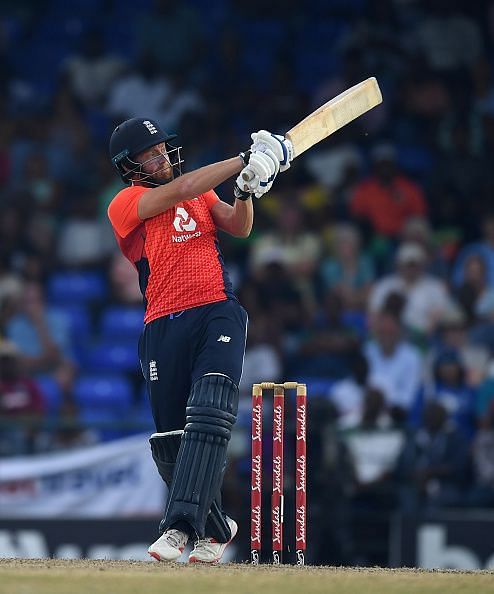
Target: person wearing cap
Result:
[192, 347]
[425, 297]
[386, 199]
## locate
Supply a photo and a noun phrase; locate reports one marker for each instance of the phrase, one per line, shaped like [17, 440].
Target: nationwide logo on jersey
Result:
[185, 224]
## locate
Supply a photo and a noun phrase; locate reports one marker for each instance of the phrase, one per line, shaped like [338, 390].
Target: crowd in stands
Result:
[370, 270]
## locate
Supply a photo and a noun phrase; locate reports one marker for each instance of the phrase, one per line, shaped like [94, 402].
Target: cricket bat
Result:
[330, 117]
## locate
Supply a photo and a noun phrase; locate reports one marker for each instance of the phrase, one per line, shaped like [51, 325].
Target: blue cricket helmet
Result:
[131, 138]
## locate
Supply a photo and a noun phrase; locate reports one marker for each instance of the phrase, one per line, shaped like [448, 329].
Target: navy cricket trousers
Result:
[176, 350]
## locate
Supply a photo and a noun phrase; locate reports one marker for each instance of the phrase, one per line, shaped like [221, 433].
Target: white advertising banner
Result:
[115, 479]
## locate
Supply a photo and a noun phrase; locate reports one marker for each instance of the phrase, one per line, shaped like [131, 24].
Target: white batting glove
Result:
[258, 176]
[281, 147]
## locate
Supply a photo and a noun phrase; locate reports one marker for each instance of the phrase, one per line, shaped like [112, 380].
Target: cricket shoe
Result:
[208, 550]
[169, 546]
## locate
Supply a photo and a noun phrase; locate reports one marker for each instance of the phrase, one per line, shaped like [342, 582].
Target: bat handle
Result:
[248, 175]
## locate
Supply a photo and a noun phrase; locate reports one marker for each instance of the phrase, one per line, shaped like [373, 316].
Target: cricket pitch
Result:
[51, 576]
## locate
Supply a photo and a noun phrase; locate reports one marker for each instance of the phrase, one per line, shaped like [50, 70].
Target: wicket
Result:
[277, 498]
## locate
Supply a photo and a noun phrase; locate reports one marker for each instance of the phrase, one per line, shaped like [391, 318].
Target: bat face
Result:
[333, 115]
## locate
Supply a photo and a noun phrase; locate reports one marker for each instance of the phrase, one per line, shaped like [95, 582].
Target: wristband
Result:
[241, 194]
[245, 157]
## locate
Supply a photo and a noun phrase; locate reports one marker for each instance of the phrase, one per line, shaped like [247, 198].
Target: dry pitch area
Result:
[26, 576]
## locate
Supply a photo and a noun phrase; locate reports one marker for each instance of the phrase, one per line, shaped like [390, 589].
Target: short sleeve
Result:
[211, 198]
[122, 210]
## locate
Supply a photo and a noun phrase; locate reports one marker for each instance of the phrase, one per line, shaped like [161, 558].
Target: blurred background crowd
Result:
[370, 270]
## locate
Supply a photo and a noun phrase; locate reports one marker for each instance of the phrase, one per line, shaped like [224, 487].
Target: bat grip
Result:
[248, 175]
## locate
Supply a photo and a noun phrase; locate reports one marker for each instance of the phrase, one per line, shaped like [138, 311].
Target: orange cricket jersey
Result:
[176, 253]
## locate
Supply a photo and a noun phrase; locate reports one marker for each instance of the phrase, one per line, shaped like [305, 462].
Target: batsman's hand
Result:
[258, 176]
[282, 148]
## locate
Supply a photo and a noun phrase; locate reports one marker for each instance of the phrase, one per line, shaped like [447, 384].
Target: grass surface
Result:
[49, 576]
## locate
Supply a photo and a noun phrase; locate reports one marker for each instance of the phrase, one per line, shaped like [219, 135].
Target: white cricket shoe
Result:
[169, 546]
[207, 550]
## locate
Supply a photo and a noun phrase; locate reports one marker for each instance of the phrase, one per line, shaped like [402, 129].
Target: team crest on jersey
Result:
[150, 126]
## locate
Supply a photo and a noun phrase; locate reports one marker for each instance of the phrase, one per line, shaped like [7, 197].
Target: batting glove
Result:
[279, 145]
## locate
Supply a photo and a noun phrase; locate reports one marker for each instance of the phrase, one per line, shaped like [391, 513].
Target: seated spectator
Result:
[440, 250]
[426, 297]
[450, 389]
[347, 394]
[347, 270]
[91, 72]
[42, 335]
[454, 333]
[84, 239]
[433, 465]
[386, 199]
[274, 291]
[180, 25]
[262, 358]
[483, 248]
[68, 434]
[481, 493]
[19, 398]
[449, 39]
[375, 444]
[393, 361]
[145, 89]
[299, 248]
[330, 473]
[328, 345]
[474, 294]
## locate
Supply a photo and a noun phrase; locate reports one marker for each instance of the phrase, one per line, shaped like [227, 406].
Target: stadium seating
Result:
[122, 322]
[76, 286]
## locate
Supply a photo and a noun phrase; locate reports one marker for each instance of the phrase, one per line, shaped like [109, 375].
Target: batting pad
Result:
[164, 449]
[211, 414]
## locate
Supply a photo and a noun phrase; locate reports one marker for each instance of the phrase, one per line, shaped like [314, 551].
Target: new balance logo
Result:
[151, 127]
[224, 338]
[153, 371]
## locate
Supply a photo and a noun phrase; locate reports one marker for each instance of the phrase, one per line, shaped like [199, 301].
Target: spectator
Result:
[299, 249]
[68, 434]
[328, 345]
[348, 270]
[449, 39]
[426, 298]
[84, 238]
[375, 446]
[483, 248]
[386, 199]
[347, 394]
[393, 362]
[19, 398]
[433, 465]
[143, 89]
[91, 72]
[455, 334]
[474, 294]
[481, 493]
[179, 25]
[262, 358]
[42, 335]
[451, 390]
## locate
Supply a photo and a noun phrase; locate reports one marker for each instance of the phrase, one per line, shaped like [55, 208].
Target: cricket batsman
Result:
[192, 346]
